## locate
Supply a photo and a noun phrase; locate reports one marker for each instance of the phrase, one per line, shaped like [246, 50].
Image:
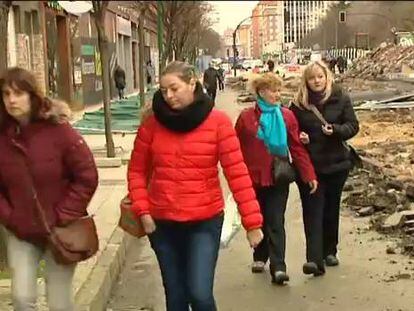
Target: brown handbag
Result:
[128, 221]
[69, 244]
[72, 243]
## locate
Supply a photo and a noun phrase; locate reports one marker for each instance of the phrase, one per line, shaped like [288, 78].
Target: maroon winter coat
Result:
[63, 170]
[258, 159]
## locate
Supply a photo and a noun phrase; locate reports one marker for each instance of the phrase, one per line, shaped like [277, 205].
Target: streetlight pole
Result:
[160, 30]
[234, 36]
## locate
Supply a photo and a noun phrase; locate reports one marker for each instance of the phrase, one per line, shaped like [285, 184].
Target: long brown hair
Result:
[302, 97]
[23, 80]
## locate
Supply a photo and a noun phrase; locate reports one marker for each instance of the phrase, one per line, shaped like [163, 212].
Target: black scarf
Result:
[315, 98]
[183, 120]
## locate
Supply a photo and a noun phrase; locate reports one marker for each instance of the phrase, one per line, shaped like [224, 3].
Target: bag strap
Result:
[318, 114]
[39, 209]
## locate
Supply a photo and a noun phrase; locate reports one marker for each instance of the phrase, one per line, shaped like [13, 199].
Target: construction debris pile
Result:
[385, 60]
[387, 136]
[395, 102]
[384, 189]
[387, 201]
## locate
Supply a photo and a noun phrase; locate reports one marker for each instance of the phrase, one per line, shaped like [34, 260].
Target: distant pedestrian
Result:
[221, 80]
[150, 73]
[268, 131]
[44, 163]
[331, 158]
[341, 62]
[332, 64]
[270, 65]
[120, 81]
[210, 80]
[175, 187]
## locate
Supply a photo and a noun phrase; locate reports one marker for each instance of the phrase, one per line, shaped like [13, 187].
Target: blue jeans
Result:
[187, 254]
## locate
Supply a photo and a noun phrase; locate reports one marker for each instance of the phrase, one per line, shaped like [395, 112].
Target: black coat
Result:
[119, 77]
[211, 76]
[328, 153]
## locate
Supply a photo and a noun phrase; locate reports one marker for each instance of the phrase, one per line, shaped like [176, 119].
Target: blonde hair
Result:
[183, 70]
[265, 81]
[302, 97]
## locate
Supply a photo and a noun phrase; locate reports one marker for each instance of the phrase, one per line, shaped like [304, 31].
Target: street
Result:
[367, 278]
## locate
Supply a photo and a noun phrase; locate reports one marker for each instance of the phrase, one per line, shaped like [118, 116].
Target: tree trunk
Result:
[4, 17]
[142, 79]
[103, 50]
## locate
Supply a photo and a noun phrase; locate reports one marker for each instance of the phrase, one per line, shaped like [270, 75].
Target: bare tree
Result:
[99, 12]
[4, 17]
[210, 41]
[188, 28]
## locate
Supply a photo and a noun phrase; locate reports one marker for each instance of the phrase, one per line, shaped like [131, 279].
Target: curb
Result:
[96, 291]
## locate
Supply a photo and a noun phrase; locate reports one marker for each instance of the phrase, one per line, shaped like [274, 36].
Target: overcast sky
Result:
[230, 13]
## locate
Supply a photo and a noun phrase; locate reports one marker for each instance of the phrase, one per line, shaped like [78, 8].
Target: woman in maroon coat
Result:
[34, 130]
[259, 158]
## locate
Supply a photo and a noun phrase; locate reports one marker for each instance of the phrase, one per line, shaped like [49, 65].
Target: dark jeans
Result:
[321, 215]
[221, 85]
[212, 93]
[272, 201]
[187, 254]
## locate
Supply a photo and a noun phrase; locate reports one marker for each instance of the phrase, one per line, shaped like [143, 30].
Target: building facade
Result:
[244, 41]
[272, 22]
[228, 42]
[280, 25]
[256, 31]
[300, 17]
[62, 49]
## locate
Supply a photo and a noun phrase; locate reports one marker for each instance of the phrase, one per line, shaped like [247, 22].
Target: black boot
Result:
[313, 268]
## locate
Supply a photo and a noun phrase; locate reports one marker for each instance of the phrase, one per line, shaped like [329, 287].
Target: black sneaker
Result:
[312, 268]
[280, 277]
[258, 267]
[331, 261]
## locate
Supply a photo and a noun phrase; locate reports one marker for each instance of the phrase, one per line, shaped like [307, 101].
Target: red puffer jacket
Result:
[184, 183]
[63, 171]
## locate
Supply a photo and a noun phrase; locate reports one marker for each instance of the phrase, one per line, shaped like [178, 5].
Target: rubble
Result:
[386, 138]
[382, 62]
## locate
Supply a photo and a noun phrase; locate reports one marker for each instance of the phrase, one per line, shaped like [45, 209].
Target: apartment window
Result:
[35, 22]
[27, 23]
[16, 13]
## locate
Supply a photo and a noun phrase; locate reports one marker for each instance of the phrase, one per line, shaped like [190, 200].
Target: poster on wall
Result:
[77, 73]
[88, 68]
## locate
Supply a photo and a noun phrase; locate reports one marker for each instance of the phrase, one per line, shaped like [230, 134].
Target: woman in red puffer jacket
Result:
[175, 190]
[259, 152]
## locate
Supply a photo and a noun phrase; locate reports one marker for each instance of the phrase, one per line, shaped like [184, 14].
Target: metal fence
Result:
[348, 53]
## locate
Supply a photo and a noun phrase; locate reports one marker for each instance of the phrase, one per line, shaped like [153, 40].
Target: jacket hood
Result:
[57, 112]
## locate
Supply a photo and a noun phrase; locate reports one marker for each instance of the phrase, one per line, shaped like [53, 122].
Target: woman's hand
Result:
[254, 236]
[304, 138]
[327, 129]
[148, 223]
[313, 185]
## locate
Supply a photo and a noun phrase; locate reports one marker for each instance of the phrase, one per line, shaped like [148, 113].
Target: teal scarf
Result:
[272, 128]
